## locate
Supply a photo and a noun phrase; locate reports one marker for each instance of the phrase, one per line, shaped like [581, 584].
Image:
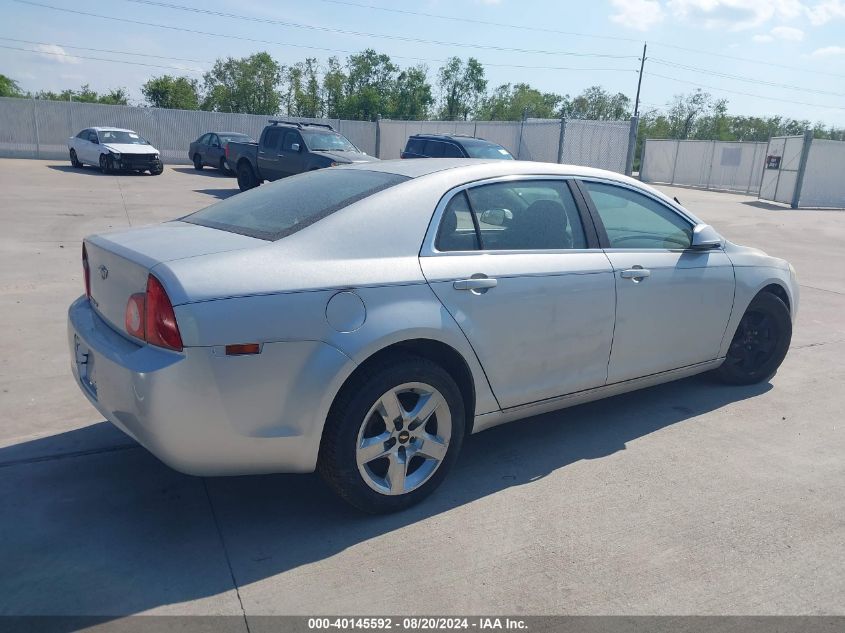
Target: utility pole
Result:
[640, 82]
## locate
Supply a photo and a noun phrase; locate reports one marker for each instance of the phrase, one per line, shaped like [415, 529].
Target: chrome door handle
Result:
[636, 274]
[481, 283]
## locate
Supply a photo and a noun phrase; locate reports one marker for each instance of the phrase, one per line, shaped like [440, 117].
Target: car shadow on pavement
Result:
[104, 528]
[90, 170]
[221, 194]
[207, 171]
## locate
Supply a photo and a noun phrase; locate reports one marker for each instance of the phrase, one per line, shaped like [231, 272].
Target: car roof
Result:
[448, 137]
[111, 129]
[488, 168]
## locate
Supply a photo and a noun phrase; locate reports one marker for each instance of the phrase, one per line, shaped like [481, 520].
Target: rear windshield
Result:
[274, 211]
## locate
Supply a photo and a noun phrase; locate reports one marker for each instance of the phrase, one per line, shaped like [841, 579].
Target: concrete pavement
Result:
[688, 498]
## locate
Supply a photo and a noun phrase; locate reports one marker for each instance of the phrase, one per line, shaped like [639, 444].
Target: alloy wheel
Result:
[754, 343]
[403, 439]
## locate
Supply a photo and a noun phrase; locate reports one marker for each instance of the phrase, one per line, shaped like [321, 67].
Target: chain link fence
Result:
[40, 129]
[720, 165]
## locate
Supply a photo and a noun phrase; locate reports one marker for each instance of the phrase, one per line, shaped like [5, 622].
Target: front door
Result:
[292, 154]
[672, 302]
[513, 264]
[268, 153]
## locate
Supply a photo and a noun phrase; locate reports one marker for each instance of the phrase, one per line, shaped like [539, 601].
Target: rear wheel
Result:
[197, 162]
[760, 343]
[246, 177]
[74, 160]
[392, 435]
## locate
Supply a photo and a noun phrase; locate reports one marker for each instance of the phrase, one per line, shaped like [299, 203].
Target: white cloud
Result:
[637, 14]
[788, 33]
[56, 53]
[762, 39]
[828, 51]
[735, 14]
[824, 12]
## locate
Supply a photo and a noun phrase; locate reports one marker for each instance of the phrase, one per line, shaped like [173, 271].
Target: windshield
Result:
[327, 141]
[486, 150]
[120, 137]
[237, 138]
[274, 211]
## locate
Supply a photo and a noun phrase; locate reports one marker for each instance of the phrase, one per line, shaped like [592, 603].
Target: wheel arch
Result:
[436, 351]
[780, 292]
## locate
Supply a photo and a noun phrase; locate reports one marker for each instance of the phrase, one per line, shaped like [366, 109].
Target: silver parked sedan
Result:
[363, 320]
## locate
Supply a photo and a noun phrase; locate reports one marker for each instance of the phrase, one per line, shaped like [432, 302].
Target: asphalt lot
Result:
[688, 498]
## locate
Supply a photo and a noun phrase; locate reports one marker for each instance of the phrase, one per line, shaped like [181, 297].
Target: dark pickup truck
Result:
[286, 148]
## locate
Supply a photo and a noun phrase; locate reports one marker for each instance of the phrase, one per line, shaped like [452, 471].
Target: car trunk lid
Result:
[120, 262]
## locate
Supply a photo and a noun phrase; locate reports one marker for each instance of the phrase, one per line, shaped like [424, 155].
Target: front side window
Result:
[291, 138]
[451, 150]
[84, 134]
[275, 211]
[514, 215]
[203, 140]
[633, 220]
[92, 136]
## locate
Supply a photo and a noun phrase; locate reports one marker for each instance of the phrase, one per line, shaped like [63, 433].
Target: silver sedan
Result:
[363, 320]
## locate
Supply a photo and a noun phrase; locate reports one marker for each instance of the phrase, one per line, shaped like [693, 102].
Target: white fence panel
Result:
[601, 144]
[824, 176]
[722, 165]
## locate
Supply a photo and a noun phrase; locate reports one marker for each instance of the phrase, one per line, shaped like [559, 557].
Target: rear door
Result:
[673, 303]
[518, 265]
[268, 153]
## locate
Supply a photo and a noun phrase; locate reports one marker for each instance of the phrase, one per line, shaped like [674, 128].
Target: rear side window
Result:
[415, 146]
[434, 149]
[451, 151]
[272, 137]
[274, 211]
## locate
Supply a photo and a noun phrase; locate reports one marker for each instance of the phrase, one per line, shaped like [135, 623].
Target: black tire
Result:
[760, 342]
[106, 164]
[222, 167]
[156, 171]
[246, 177]
[197, 162]
[337, 462]
[74, 159]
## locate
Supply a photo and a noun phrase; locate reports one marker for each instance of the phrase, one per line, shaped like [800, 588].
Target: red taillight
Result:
[160, 325]
[149, 316]
[86, 271]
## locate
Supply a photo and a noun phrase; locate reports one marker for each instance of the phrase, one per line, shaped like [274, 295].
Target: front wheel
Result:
[246, 177]
[106, 164]
[224, 168]
[392, 435]
[760, 343]
[156, 171]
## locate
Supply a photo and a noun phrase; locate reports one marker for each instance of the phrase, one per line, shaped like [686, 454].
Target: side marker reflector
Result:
[243, 349]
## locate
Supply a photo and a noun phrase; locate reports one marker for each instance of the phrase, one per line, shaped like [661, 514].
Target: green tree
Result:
[249, 85]
[510, 103]
[412, 96]
[9, 87]
[462, 86]
[596, 103]
[334, 80]
[302, 95]
[116, 96]
[370, 82]
[166, 91]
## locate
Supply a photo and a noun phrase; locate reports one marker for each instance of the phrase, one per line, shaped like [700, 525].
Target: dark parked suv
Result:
[452, 146]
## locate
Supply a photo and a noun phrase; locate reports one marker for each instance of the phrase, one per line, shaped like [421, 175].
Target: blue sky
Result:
[564, 46]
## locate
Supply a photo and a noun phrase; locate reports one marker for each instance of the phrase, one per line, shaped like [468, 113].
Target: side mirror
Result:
[495, 217]
[705, 238]
[294, 147]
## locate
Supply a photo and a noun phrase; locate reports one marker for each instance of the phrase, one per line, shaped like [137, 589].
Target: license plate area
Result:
[86, 367]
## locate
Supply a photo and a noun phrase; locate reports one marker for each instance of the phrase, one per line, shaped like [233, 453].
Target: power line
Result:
[104, 50]
[101, 59]
[753, 80]
[277, 43]
[538, 29]
[477, 21]
[402, 38]
[746, 94]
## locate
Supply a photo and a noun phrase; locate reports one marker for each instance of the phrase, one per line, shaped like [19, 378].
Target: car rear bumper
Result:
[202, 412]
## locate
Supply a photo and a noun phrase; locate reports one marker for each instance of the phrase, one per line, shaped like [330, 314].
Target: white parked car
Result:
[114, 149]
